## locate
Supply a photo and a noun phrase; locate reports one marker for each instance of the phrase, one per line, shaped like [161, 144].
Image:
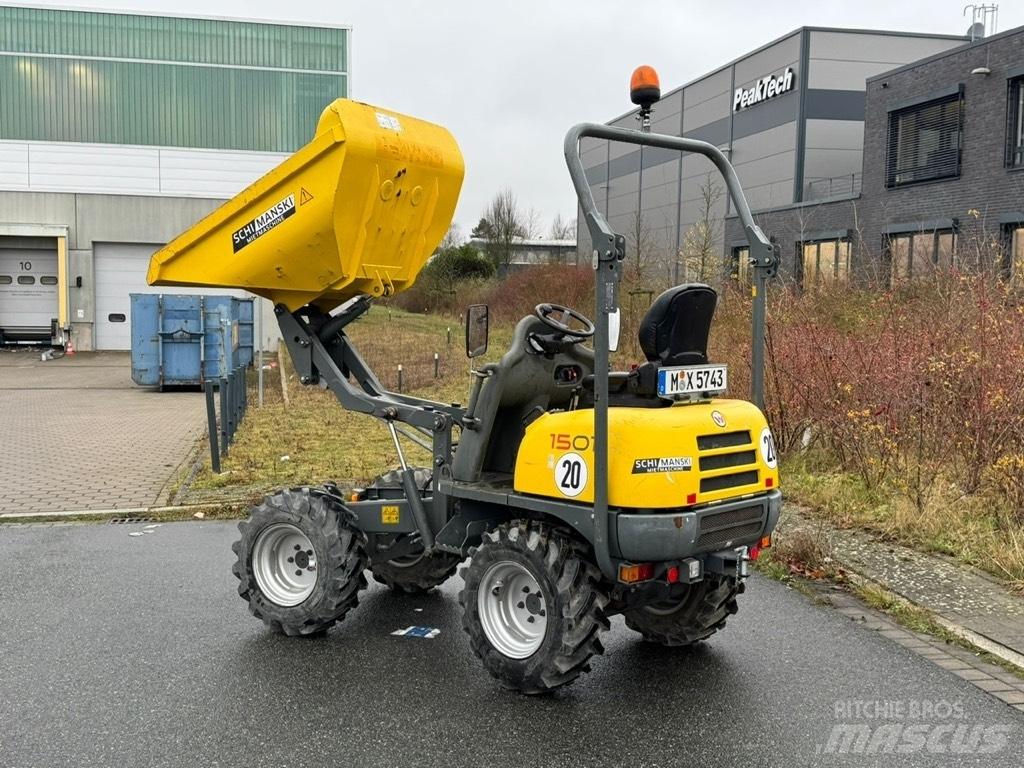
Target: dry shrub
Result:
[807, 548]
[523, 290]
[509, 299]
[899, 386]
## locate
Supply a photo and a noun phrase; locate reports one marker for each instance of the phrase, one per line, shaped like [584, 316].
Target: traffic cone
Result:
[69, 348]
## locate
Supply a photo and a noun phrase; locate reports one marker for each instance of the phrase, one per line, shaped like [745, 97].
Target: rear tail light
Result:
[765, 542]
[769, 482]
[754, 552]
[673, 575]
[630, 574]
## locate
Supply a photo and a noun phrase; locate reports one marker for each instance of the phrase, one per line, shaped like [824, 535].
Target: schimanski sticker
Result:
[263, 223]
[571, 474]
[662, 464]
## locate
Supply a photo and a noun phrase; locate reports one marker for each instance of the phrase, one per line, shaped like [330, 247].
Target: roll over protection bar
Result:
[609, 251]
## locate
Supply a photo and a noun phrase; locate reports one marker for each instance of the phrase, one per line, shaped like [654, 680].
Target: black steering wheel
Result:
[546, 313]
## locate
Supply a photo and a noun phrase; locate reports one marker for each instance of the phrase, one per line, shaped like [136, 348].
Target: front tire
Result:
[533, 606]
[300, 561]
[695, 616]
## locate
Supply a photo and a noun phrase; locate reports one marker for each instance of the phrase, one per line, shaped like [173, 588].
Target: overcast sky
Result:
[509, 78]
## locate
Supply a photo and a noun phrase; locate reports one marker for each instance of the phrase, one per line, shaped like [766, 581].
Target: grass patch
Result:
[313, 439]
[906, 614]
[972, 528]
[774, 568]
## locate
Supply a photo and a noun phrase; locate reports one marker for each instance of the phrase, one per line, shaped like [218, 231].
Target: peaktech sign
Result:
[766, 88]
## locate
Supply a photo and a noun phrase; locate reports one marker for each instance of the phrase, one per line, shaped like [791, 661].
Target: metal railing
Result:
[827, 187]
[234, 400]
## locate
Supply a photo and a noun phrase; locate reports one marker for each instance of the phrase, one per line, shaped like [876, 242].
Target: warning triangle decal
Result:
[304, 196]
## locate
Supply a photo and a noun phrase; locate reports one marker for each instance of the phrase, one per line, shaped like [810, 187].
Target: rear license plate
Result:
[692, 380]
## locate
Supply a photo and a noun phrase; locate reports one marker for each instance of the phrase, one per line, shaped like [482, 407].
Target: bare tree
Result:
[562, 229]
[506, 224]
[453, 237]
[531, 224]
[700, 258]
[641, 247]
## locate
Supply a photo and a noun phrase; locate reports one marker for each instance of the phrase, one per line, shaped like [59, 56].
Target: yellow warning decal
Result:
[304, 196]
[389, 515]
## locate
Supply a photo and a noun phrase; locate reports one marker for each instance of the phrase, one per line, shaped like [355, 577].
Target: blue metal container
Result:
[242, 311]
[182, 340]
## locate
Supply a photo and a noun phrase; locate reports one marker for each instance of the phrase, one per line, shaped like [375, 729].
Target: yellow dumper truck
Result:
[575, 492]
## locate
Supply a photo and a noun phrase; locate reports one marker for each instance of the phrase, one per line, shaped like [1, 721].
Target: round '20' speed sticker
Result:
[571, 474]
[771, 458]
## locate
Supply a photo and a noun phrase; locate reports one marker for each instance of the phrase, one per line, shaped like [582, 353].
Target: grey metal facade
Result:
[982, 203]
[122, 78]
[804, 143]
[89, 219]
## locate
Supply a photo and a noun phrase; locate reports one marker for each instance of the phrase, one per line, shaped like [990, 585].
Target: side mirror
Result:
[477, 326]
[614, 327]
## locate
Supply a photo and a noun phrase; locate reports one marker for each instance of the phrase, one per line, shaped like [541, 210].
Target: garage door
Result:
[120, 270]
[28, 292]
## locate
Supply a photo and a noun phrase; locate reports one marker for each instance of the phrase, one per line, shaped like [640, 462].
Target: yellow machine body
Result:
[357, 211]
[658, 458]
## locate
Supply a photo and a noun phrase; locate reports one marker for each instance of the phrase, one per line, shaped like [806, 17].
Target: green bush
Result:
[453, 265]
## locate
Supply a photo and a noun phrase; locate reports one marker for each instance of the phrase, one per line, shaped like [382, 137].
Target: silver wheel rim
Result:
[284, 564]
[512, 608]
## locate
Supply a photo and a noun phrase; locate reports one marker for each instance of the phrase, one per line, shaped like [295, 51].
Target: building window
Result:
[739, 270]
[918, 254]
[1015, 123]
[824, 261]
[924, 142]
[1014, 266]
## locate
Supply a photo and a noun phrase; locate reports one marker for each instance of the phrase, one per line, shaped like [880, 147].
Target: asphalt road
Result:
[135, 651]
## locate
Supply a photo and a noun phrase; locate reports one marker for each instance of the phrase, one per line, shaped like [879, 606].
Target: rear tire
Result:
[416, 574]
[695, 616]
[311, 532]
[533, 606]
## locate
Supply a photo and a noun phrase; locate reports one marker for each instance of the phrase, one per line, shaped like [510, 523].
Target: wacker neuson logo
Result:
[764, 89]
[263, 223]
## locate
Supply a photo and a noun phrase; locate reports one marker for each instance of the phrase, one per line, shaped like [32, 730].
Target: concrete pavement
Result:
[136, 651]
[78, 434]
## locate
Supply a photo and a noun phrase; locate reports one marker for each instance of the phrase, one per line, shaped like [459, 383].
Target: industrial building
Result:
[120, 130]
[790, 116]
[531, 252]
[943, 177]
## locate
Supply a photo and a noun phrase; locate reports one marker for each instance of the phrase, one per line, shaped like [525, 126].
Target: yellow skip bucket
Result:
[357, 211]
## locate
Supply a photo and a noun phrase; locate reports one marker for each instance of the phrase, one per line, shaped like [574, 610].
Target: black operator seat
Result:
[674, 331]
